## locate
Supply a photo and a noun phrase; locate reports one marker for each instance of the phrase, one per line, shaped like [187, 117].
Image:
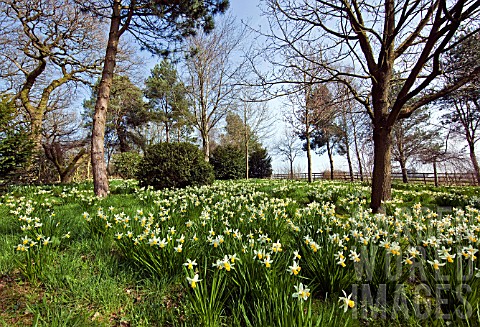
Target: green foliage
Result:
[228, 162]
[260, 164]
[174, 165]
[126, 164]
[126, 111]
[167, 95]
[16, 147]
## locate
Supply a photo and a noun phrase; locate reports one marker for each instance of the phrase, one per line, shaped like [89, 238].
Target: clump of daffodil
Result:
[354, 256]
[226, 263]
[341, 258]
[277, 247]
[445, 254]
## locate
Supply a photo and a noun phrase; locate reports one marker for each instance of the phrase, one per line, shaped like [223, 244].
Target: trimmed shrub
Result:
[126, 164]
[174, 165]
[228, 162]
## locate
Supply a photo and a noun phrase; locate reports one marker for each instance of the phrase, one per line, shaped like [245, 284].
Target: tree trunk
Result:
[206, 146]
[36, 127]
[122, 139]
[246, 139]
[435, 174]
[309, 159]
[403, 166]
[247, 168]
[382, 167]
[357, 151]
[167, 133]
[349, 161]
[66, 177]
[473, 158]
[99, 169]
[330, 159]
[291, 169]
[399, 138]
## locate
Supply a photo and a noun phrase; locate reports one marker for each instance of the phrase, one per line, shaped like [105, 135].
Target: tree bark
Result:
[167, 133]
[291, 169]
[247, 167]
[330, 159]
[403, 166]
[473, 158]
[99, 169]
[309, 159]
[349, 162]
[206, 146]
[246, 142]
[382, 168]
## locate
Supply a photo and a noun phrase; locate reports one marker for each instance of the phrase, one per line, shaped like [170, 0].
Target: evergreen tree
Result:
[260, 163]
[126, 111]
[16, 146]
[167, 95]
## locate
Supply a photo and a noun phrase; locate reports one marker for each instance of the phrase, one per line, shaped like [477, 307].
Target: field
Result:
[245, 253]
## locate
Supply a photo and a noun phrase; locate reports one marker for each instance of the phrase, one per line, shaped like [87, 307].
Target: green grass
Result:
[92, 275]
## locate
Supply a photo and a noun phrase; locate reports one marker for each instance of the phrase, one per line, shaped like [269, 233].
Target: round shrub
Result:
[126, 164]
[228, 162]
[174, 165]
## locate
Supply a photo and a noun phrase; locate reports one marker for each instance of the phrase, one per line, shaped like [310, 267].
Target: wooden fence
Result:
[425, 178]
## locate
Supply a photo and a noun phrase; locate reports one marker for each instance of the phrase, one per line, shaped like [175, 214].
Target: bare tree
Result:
[463, 105]
[46, 46]
[435, 152]
[346, 130]
[64, 142]
[375, 38]
[289, 147]
[211, 77]
[410, 137]
[257, 124]
[307, 99]
[326, 134]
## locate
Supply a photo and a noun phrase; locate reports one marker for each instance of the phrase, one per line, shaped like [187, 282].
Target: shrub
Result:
[16, 147]
[174, 165]
[228, 162]
[126, 164]
[260, 164]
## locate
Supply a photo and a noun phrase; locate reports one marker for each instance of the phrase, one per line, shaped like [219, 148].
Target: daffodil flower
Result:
[294, 269]
[436, 264]
[347, 302]
[189, 264]
[302, 293]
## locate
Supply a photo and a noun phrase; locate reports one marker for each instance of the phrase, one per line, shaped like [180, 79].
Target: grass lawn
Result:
[243, 253]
